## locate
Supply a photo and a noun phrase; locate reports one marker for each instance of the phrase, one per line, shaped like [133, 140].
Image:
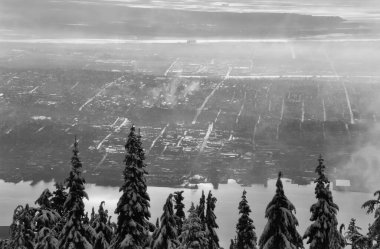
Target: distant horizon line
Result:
[100, 41]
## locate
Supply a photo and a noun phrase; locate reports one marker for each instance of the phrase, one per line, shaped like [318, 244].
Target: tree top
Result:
[75, 150]
[280, 187]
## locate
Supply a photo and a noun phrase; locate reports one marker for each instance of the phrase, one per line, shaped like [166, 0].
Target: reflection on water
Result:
[228, 195]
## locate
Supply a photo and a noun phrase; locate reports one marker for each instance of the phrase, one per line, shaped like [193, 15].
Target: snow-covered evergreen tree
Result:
[193, 236]
[370, 241]
[323, 232]
[44, 200]
[86, 219]
[210, 221]
[355, 238]
[133, 207]
[59, 198]
[75, 234]
[93, 215]
[246, 236]
[165, 237]
[232, 244]
[104, 231]
[22, 230]
[179, 207]
[201, 207]
[46, 239]
[4, 243]
[280, 231]
[157, 223]
[45, 217]
[57, 202]
[373, 206]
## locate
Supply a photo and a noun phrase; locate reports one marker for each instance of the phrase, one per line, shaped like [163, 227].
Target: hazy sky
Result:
[25, 18]
[345, 8]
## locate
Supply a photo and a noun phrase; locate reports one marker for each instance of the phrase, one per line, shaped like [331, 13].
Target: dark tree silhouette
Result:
[232, 244]
[4, 243]
[201, 207]
[93, 215]
[179, 207]
[157, 223]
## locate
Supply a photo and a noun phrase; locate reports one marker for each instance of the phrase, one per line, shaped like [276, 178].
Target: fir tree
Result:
[103, 229]
[373, 206]
[45, 220]
[210, 221]
[246, 236]
[280, 232]
[201, 207]
[59, 198]
[133, 206]
[165, 237]
[46, 239]
[232, 244]
[93, 215]
[369, 238]
[193, 236]
[21, 229]
[45, 215]
[57, 201]
[86, 219]
[323, 232]
[44, 199]
[4, 243]
[179, 207]
[112, 224]
[157, 223]
[354, 237]
[74, 233]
